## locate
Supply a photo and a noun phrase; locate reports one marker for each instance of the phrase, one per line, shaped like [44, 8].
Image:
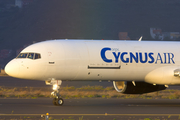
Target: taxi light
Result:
[55, 87]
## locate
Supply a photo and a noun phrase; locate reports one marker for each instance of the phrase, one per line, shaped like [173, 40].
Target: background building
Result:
[123, 36]
[156, 33]
[18, 3]
[22, 3]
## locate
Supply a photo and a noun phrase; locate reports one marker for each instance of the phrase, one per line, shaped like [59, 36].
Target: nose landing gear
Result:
[58, 101]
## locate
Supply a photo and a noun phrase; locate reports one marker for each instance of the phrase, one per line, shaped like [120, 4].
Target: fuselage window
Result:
[22, 55]
[30, 55]
[37, 56]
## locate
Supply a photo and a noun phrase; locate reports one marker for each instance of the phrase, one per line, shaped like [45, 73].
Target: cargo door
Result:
[102, 62]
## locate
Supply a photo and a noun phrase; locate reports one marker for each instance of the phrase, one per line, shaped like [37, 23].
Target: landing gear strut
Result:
[58, 101]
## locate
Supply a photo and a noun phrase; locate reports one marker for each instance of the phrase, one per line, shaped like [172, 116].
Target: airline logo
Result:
[138, 57]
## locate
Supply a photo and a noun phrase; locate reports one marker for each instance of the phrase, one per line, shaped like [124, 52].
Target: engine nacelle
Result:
[137, 87]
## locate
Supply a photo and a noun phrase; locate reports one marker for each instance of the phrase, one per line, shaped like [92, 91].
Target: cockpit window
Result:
[32, 56]
[22, 55]
[37, 56]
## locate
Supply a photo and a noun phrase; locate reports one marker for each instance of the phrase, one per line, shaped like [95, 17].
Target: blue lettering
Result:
[141, 58]
[151, 57]
[133, 57]
[122, 57]
[116, 56]
[171, 58]
[164, 58]
[103, 56]
[129, 57]
[159, 58]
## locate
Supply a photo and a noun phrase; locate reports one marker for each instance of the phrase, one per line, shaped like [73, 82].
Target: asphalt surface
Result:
[90, 106]
[85, 109]
[93, 108]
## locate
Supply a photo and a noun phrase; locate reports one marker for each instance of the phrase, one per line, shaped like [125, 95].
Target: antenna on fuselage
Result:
[140, 38]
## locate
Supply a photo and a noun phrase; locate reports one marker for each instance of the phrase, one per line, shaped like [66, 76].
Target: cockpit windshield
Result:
[32, 56]
[37, 56]
[22, 55]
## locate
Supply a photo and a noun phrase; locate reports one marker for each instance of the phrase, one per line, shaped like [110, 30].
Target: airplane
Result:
[134, 67]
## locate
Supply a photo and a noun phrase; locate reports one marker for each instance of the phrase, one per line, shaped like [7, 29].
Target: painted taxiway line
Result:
[106, 114]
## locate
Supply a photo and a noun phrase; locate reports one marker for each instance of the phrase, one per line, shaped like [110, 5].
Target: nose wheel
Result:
[58, 101]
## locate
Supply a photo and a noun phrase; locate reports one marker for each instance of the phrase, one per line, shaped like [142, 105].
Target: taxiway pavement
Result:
[91, 108]
[95, 108]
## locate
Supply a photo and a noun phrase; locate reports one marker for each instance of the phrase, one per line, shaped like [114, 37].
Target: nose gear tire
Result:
[58, 101]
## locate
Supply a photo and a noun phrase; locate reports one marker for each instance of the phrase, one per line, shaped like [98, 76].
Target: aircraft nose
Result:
[12, 68]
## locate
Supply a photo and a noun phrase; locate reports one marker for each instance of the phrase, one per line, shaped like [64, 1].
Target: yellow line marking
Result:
[106, 114]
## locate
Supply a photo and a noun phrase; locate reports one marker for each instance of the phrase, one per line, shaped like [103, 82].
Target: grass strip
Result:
[83, 92]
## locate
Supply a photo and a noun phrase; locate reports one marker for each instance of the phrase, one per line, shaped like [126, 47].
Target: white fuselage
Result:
[152, 62]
